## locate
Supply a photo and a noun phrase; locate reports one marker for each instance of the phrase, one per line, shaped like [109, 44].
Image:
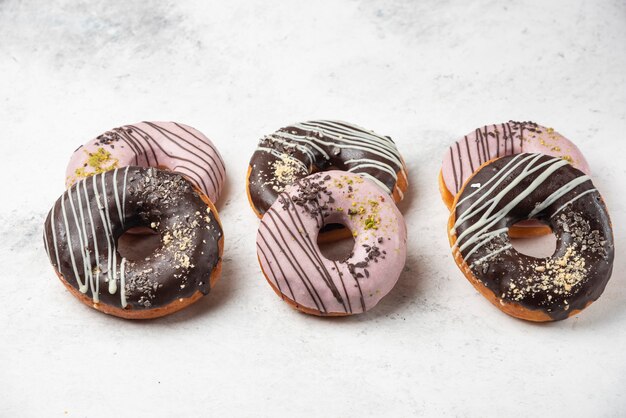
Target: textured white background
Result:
[422, 72]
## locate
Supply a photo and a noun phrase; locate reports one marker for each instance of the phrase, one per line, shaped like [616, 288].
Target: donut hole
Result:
[335, 242]
[138, 243]
[542, 246]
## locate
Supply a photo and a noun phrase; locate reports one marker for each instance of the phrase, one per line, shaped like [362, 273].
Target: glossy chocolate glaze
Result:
[82, 228]
[295, 151]
[554, 192]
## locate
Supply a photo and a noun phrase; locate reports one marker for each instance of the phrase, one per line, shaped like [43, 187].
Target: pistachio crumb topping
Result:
[97, 162]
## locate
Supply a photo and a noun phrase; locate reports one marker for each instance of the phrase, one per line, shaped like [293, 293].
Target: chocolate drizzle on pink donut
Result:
[168, 145]
[293, 263]
[498, 140]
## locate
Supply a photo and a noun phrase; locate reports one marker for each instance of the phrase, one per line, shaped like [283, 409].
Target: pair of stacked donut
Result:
[164, 176]
[521, 179]
[309, 175]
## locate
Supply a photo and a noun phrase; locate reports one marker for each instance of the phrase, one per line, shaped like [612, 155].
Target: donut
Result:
[165, 145]
[295, 151]
[493, 141]
[82, 228]
[549, 189]
[293, 264]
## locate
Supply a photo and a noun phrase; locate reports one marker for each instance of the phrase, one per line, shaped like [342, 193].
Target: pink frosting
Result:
[491, 141]
[291, 259]
[167, 145]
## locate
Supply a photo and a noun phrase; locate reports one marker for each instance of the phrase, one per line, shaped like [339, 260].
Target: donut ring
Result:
[165, 145]
[82, 228]
[295, 151]
[533, 186]
[293, 264]
[499, 140]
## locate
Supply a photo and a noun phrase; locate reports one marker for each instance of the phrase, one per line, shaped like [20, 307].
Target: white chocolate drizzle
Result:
[123, 283]
[573, 200]
[75, 231]
[479, 233]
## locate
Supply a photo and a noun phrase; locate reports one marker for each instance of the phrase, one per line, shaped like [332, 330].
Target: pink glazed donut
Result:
[293, 263]
[467, 154]
[166, 145]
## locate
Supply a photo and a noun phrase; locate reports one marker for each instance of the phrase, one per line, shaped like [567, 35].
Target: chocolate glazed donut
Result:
[533, 186]
[82, 228]
[296, 151]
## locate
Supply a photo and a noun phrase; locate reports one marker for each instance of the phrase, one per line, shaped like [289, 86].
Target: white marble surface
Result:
[422, 72]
